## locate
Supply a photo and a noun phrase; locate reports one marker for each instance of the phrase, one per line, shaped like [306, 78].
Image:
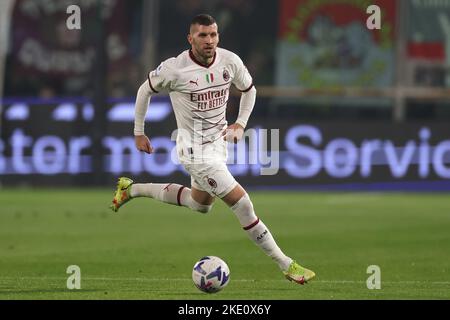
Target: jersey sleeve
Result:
[242, 79]
[163, 77]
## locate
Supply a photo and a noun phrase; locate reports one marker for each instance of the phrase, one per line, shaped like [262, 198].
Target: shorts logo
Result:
[212, 182]
[226, 75]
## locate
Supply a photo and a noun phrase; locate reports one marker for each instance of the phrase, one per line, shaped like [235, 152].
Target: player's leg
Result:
[170, 193]
[202, 197]
[239, 201]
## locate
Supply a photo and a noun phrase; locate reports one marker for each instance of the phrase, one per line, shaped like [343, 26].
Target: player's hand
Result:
[233, 133]
[143, 144]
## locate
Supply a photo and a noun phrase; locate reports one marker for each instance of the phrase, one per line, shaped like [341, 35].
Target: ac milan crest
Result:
[212, 182]
[226, 75]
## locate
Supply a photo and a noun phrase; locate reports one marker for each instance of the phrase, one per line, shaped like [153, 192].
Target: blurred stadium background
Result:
[357, 110]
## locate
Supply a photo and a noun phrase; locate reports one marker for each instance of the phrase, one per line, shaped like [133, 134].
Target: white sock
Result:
[171, 193]
[258, 232]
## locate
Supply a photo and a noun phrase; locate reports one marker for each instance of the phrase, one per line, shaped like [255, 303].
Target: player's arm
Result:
[158, 79]
[235, 132]
[246, 105]
[244, 83]
[144, 94]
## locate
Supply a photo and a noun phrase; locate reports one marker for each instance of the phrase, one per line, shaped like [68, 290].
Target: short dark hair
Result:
[203, 20]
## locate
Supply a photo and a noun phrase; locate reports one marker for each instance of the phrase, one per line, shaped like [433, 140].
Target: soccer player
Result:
[198, 81]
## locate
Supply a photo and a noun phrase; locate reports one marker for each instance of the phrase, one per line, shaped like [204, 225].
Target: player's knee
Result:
[244, 211]
[244, 204]
[203, 208]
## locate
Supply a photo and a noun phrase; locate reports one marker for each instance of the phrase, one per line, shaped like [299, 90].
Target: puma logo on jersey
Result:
[194, 82]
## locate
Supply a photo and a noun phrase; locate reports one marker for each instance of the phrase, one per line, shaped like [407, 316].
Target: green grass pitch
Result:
[147, 249]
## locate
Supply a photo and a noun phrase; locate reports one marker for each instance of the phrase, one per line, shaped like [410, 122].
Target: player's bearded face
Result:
[204, 40]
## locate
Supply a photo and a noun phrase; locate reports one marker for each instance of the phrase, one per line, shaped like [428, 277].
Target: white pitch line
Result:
[234, 280]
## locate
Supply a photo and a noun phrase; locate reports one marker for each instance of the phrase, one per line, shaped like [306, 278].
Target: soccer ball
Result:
[210, 274]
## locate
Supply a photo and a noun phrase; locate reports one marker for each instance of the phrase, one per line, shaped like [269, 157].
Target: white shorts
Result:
[212, 177]
[207, 167]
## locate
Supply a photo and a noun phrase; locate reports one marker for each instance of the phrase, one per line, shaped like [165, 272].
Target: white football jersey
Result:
[199, 94]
